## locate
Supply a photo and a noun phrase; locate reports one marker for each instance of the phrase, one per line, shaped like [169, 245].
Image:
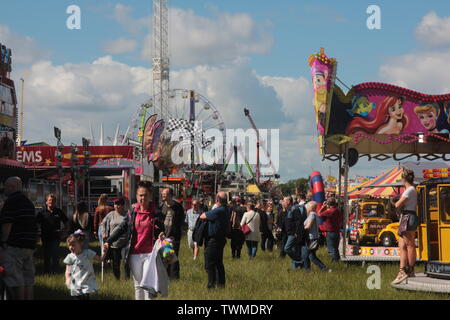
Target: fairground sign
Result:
[45, 156]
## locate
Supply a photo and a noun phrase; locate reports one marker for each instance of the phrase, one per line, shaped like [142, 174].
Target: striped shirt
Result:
[19, 211]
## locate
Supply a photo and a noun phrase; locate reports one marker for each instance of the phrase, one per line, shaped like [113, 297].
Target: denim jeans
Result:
[310, 256]
[333, 245]
[252, 247]
[293, 250]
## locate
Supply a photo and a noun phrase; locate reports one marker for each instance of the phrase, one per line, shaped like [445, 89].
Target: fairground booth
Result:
[380, 121]
[66, 171]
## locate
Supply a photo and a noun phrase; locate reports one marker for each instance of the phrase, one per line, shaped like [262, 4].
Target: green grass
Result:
[265, 277]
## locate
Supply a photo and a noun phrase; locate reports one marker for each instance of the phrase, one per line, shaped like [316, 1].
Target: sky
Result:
[236, 53]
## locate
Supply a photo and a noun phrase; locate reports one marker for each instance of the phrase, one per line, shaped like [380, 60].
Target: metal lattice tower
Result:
[161, 63]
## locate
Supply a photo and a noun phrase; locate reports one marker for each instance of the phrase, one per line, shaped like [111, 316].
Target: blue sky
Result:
[299, 27]
[294, 29]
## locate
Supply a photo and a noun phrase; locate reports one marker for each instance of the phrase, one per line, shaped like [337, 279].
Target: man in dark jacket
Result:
[281, 229]
[266, 234]
[296, 216]
[18, 241]
[52, 222]
[173, 221]
[237, 236]
[218, 223]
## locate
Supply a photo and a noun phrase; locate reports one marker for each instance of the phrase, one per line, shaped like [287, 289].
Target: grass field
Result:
[265, 277]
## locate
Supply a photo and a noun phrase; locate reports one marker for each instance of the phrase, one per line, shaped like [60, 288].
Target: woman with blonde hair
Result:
[81, 220]
[101, 211]
[253, 220]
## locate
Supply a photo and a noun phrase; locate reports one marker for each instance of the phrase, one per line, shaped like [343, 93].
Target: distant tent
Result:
[253, 188]
[386, 185]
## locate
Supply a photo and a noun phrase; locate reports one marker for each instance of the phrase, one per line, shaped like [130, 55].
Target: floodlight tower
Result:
[161, 63]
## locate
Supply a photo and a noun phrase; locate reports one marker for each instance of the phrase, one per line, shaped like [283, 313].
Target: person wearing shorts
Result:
[407, 228]
[191, 219]
[18, 241]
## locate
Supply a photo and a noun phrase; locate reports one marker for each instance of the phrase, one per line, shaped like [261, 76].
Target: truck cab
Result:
[368, 217]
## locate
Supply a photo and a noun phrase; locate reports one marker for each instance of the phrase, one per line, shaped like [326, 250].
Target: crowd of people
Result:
[130, 232]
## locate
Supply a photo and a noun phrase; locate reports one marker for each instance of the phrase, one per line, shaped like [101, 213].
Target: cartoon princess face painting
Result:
[428, 115]
[390, 118]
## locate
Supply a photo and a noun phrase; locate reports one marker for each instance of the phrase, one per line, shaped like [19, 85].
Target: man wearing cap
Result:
[111, 222]
[332, 225]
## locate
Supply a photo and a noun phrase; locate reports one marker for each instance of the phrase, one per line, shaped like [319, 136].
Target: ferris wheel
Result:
[184, 106]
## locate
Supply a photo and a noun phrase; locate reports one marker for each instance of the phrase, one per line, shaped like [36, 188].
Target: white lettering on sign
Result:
[29, 156]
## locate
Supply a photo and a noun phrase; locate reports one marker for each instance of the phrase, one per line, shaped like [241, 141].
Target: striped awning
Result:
[386, 185]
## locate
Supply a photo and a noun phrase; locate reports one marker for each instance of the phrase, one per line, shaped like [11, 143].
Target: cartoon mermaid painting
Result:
[390, 118]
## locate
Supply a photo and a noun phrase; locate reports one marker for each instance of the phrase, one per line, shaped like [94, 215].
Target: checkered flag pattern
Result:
[186, 128]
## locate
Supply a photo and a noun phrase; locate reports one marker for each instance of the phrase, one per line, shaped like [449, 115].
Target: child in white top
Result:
[80, 276]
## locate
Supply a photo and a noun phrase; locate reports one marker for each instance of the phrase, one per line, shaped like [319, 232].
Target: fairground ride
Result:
[375, 120]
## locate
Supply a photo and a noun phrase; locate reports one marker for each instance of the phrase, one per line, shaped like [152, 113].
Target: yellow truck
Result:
[388, 237]
[368, 218]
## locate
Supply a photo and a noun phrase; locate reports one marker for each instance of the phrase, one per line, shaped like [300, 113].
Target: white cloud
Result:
[24, 48]
[194, 39]
[232, 88]
[120, 45]
[428, 72]
[296, 95]
[106, 91]
[433, 30]
[70, 95]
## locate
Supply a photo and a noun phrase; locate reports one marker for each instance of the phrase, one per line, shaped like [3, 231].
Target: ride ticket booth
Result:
[434, 230]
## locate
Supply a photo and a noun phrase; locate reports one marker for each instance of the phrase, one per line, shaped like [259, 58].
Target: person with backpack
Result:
[295, 218]
[312, 240]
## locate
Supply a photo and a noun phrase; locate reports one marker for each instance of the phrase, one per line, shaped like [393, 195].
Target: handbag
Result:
[403, 226]
[245, 228]
[313, 244]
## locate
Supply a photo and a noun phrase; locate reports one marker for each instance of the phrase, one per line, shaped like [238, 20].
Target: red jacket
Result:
[333, 219]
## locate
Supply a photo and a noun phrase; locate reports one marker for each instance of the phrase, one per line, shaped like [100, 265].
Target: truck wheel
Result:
[387, 240]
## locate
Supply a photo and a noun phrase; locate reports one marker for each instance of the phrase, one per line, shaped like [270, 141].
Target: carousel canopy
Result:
[387, 184]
